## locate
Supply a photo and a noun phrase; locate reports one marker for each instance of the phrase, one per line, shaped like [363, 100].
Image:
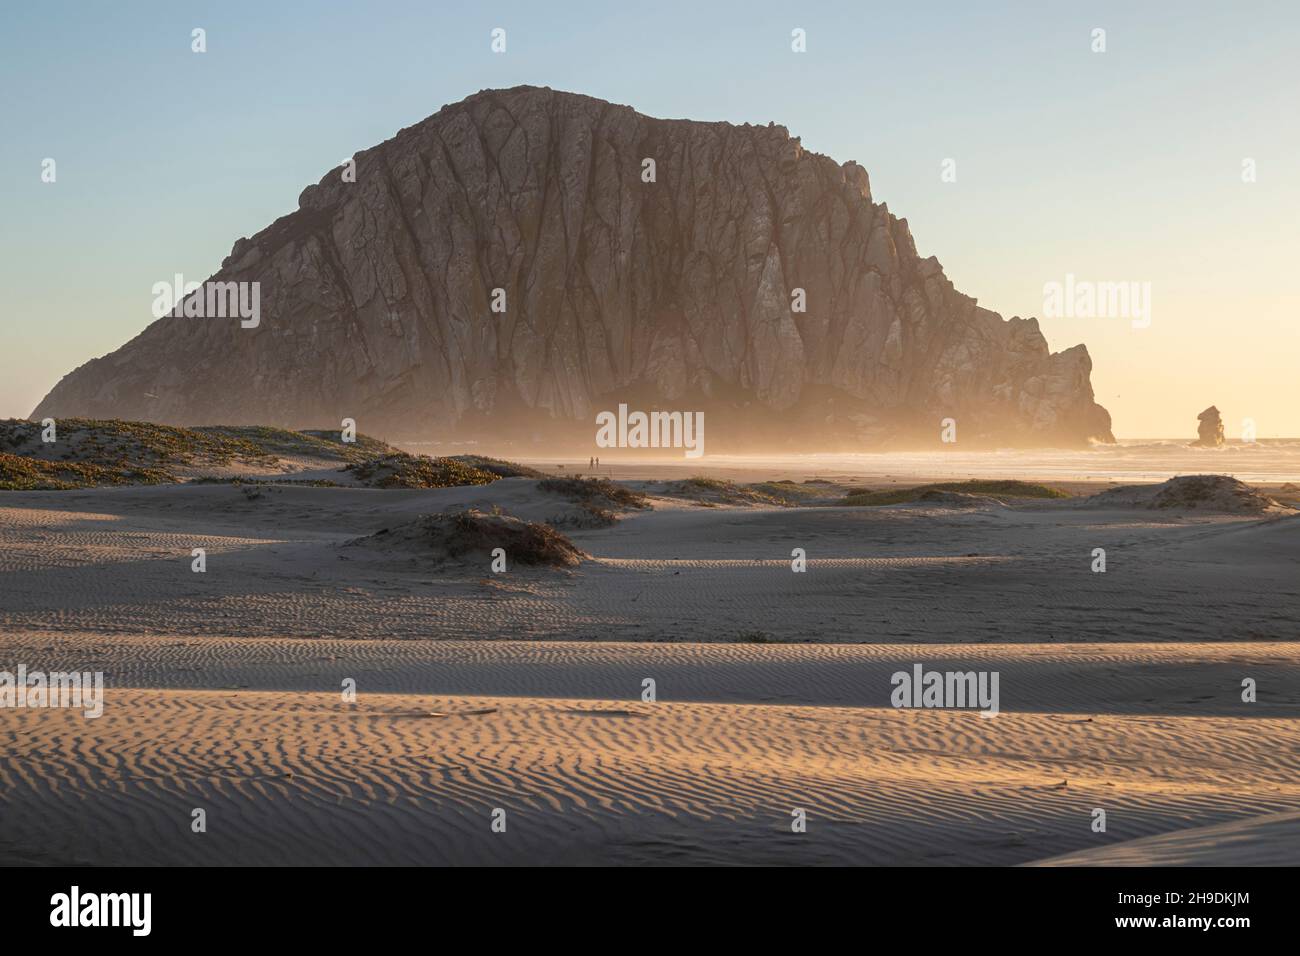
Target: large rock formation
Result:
[1209, 431]
[376, 299]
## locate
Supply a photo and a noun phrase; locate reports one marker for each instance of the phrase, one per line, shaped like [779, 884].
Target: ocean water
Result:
[1133, 460]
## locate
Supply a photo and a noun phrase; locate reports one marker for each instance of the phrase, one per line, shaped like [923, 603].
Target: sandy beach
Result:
[523, 691]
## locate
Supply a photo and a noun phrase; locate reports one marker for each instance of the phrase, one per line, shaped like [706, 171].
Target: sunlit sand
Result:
[524, 691]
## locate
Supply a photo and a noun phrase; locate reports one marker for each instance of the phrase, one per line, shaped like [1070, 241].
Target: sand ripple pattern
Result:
[309, 779]
[523, 691]
[1200, 680]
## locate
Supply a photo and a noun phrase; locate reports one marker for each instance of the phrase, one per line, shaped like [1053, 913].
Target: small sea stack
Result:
[1210, 430]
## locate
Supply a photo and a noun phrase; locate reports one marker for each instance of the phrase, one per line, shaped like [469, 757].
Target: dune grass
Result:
[498, 466]
[312, 443]
[400, 470]
[95, 452]
[113, 441]
[1001, 488]
[471, 535]
[712, 492]
[789, 493]
[594, 490]
[18, 473]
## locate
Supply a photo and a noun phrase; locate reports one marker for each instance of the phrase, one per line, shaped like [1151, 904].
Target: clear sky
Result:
[1117, 166]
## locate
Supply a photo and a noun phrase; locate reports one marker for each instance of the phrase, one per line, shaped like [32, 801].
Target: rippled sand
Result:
[1119, 692]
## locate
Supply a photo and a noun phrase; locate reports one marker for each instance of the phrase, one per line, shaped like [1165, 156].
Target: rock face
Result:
[1210, 429]
[678, 293]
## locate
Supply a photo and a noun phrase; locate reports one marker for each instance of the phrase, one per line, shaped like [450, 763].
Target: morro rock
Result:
[515, 264]
[1210, 429]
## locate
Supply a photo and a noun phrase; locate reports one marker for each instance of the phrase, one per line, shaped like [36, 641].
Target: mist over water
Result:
[1134, 460]
[1126, 461]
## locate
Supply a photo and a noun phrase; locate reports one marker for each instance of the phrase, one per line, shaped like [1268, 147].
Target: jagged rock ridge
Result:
[375, 299]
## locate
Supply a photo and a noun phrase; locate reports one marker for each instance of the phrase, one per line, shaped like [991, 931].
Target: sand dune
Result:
[256, 732]
[1196, 680]
[399, 779]
[522, 691]
[1269, 840]
[119, 559]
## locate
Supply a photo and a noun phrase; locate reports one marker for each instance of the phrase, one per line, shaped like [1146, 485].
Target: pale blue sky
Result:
[1115, 166]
